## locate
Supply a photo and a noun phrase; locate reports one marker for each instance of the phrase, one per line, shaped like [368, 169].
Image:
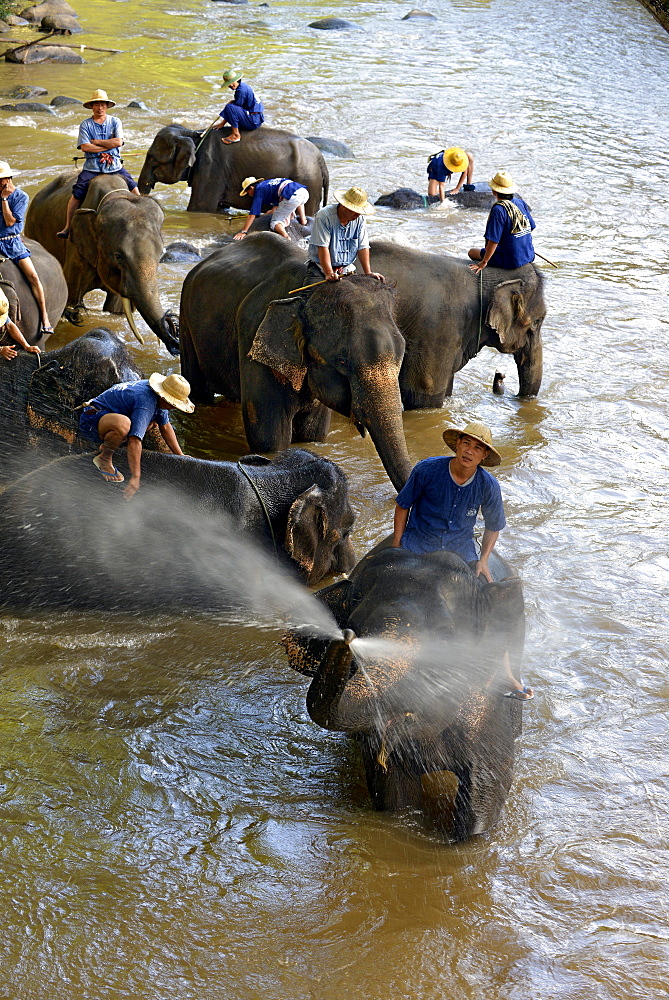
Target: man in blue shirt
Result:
[280, 194]
[508, 234]
[438, 506]
[14, 204]
[100, 138]
[244, 112]
[124, 413]
[339, 235]
[442, 165]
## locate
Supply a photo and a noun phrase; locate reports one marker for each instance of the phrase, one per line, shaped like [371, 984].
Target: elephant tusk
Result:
[127, 309]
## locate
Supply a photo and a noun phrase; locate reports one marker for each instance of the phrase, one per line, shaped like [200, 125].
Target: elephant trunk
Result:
[377, 405]
[163, 323]
[529, 362]
[147, 180]
[326, 690]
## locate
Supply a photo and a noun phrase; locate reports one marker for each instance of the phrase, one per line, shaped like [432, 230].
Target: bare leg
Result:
[302, 215]
[279, 228]
[435, 187]
[475, 254]
[28, 269]
[233, 137]
[113, 429]
[523, 693]
[72, 206]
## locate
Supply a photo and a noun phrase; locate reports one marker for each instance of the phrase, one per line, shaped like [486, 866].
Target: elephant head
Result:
[417, 675]
[344, 344]
[121, 240]
[169, 157]
[516, 311]
[317, 542]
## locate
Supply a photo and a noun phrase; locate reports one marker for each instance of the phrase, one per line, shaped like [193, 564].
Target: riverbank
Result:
[659, 9]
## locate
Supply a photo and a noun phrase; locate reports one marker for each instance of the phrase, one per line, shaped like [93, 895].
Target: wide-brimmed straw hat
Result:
[5, 170]
[4, 308]
[99, 95]
[231, 76]
[480, 432]
[456, 160]
[174, 388]
[249, 182]
[355, 199]
[502, 182]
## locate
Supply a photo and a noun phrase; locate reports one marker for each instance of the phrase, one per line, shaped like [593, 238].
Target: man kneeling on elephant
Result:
[438, 507]
[339, 236]
[125, 412]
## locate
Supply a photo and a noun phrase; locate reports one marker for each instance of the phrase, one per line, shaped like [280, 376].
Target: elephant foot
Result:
[74, 315]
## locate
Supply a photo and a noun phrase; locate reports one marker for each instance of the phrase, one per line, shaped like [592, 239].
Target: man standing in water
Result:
[244, 112]
[100, 138]
[438, 507]
[508, 234]
[441, 166]
[339, 235]
[125, 412]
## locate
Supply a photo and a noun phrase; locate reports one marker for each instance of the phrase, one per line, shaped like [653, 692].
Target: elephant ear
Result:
[307, 527]
[506, 313]
[83, 233]
[279, 341]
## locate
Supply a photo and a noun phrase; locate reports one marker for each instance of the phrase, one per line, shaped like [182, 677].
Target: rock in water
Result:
[61, 101]
[418, 14]
[333, 24]
[139, 105]
[28, 106]
[332, 146]
[44, 53]
[24, 93]
[38, 11]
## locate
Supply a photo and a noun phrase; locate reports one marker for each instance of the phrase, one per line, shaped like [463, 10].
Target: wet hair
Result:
[504, 197]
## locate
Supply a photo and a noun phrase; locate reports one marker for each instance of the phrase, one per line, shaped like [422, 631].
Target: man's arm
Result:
[363, 257]
[170, 438]
[399, 524]
[478, 265]
[487, 545]
[100, 145]
[325, 261]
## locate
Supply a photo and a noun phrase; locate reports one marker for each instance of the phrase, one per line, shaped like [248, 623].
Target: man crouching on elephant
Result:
[438, 507]
[339, 235]
[124, 413]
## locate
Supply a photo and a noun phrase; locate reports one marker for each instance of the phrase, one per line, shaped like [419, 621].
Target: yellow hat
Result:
[5, 170]
[502, 182]
[99, 95]
[355, 199]
[174, 388]
[481, 433]
[4, 308]
[249, 182]
[456, 160]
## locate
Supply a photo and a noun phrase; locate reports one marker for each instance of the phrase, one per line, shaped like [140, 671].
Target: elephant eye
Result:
[118, 257]
[343, 363]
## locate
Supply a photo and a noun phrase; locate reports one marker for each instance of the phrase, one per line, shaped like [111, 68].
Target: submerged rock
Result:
[332, 146]
[476, 195]
[333, 24]
[139, 105]
[16, 21]
[61, 101]
[418, 15]
[43, 54]
[28, 106]
[23, 93]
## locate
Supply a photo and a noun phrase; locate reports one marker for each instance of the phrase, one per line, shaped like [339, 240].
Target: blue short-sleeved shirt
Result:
[246, 99]
[18, 206]
[344, 241]
[136, 400]
[443, 514]
[514, 250]
[89, 131]
[436, 169]
[266, 194]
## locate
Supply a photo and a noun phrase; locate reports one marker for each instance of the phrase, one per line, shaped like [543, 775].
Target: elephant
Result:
[286, 359]
[477, 195]
[414, 675]
[75, 542]
[39, 397]
[114, 244]
[447, 315]
[215, 172]
[23, 308]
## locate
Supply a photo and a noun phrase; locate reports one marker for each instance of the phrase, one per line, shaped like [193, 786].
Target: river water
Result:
[172, 825]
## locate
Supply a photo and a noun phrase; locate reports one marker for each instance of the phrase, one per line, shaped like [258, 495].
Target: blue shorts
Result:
[88, 423]
[14, 248]
[86, 176]
[437, 172]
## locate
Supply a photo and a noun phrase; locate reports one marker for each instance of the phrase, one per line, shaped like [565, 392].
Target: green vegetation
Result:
[8, 7]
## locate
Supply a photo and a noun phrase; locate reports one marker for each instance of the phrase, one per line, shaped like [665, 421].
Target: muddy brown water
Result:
[172, 825]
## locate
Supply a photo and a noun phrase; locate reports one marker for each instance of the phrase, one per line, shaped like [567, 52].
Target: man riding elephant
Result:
[339, 237]
[508, 234]
[244, 112]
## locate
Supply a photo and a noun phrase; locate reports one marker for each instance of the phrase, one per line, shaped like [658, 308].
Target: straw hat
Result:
[480, 432]
[231, 76]
[5, 170]
[456, 160]
[249, 182]
[173, 388]
[502, 182]
[355, 199]
[99, 95]
[4, 308]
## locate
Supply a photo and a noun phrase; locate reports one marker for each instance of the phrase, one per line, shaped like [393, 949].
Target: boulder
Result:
[38, 11]
[24, 93]
[230, 1]
[61, 101]
[476, 195]
[16, 21]
[4, 26]
[64, 24]
[334, 24]
[332, 146]
[28, 106]
[43, 54]
[418, 15]
[180, 252]
[139, 105]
